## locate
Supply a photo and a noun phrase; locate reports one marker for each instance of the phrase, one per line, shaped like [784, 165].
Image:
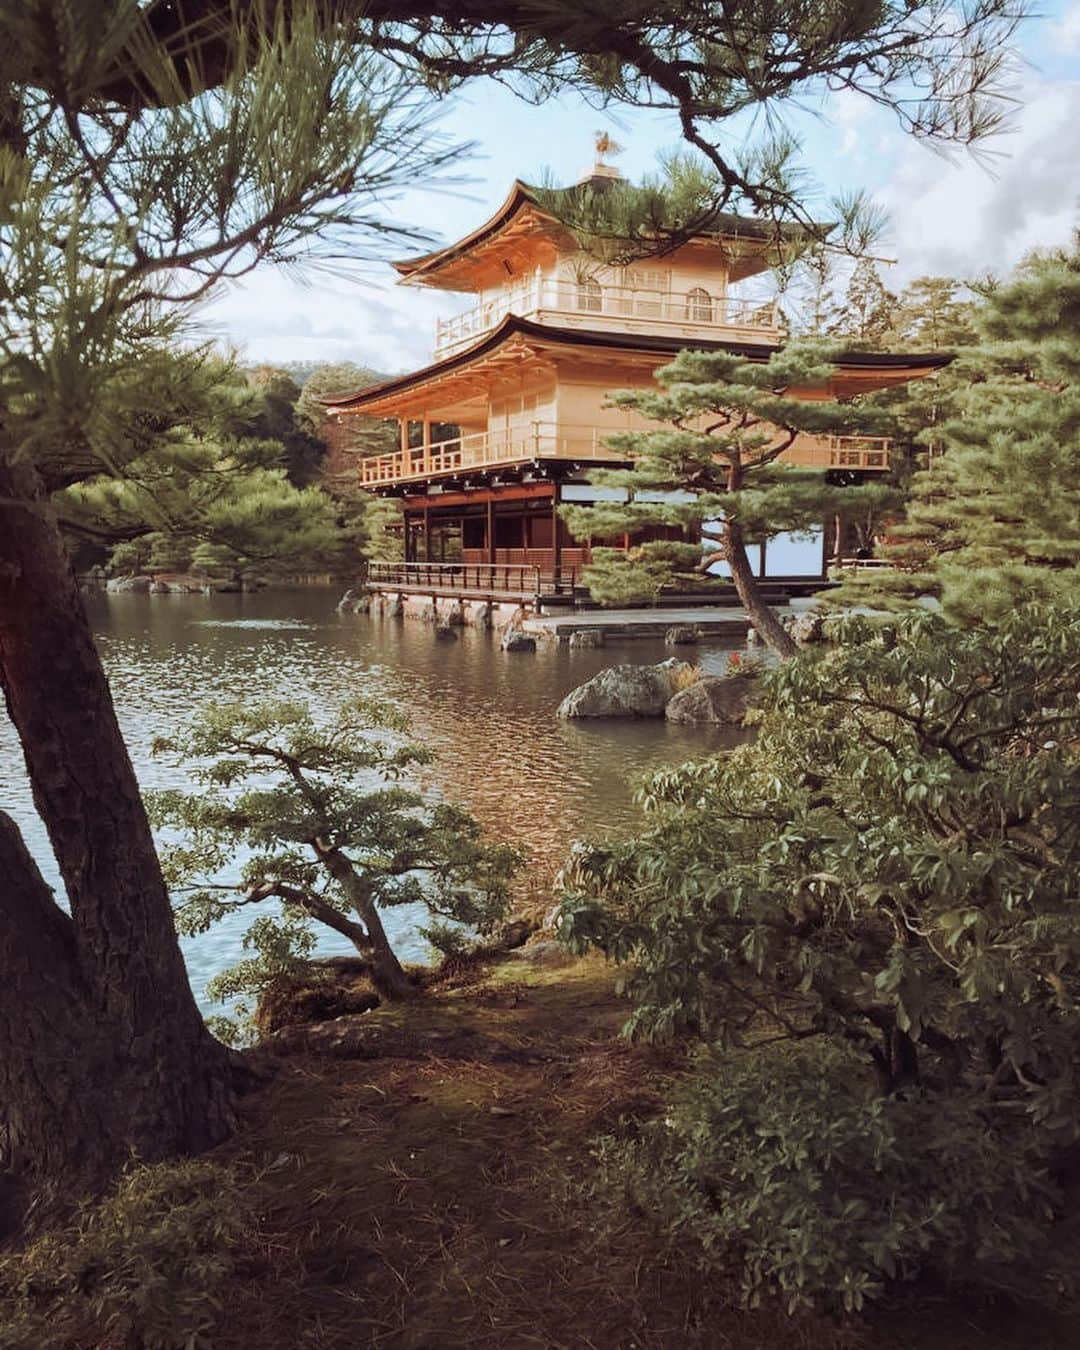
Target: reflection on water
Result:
[531, 778]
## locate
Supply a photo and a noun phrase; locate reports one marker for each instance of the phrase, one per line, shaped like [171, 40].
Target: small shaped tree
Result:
[328, 830]
[715, 473]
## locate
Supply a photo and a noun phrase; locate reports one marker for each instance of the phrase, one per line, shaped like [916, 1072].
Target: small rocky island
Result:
[673, 689]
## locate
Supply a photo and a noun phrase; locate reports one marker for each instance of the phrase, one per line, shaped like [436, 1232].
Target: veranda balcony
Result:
[589, 305]
[588, 444]
[488, 449]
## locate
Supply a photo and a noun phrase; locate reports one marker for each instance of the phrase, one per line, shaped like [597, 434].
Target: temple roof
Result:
[522, 213]
[856, 371]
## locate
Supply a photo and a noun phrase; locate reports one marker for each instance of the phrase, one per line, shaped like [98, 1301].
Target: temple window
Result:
[699, 305]
[590, 295]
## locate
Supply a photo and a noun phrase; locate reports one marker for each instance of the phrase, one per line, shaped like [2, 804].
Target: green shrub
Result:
[149, 1261]
[790, 1162]
[891, 867]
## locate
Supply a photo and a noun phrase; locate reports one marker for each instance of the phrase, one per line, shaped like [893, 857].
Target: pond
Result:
[488, 716]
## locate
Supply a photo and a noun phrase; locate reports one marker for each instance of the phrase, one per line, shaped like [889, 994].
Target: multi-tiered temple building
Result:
[511, 418]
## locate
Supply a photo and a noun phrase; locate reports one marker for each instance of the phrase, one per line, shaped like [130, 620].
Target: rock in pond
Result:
[444, 633]
[120, 585]
[721, 699]
[587, 637]
[627, 691]
[807, 627]
[514, 640]
[681, 635]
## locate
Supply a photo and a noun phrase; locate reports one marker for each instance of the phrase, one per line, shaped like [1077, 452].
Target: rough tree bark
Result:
[387, 973]
[733, 551]
[769, 627]
[103, 1050]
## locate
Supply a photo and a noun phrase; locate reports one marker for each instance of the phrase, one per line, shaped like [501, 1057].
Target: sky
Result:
[963, 215]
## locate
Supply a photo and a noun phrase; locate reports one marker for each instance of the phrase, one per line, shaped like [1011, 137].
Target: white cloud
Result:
[968, 217]
[1067, 30]
[276, 317]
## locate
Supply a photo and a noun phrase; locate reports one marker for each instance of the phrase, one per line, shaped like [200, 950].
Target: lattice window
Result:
[590, 295]
[699, 305]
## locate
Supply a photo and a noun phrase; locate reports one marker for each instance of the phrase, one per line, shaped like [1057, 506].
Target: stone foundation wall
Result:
[445, 610]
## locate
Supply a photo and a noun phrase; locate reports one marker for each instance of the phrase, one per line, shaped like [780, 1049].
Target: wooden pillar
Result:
[427, 444]
[491, 529]
[556, 543]
[407, 526]
[427, 534]
[404, 424]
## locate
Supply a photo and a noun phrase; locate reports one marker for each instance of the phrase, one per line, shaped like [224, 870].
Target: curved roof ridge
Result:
[513, 324]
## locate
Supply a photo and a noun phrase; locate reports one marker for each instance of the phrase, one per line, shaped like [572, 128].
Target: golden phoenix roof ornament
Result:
[605, 145]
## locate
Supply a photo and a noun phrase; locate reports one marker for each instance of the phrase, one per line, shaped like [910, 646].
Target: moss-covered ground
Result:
[442, 1198]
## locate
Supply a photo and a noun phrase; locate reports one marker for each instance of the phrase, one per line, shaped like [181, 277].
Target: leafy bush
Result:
[790, 1161]
[149, 1261]
[891, 868]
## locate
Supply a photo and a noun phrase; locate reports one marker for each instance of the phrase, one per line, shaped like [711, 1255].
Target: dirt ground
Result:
[444, 1201]
[423, 1178]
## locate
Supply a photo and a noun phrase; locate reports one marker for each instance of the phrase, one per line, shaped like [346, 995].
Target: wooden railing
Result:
[550, 440]
[515, 581]
[537, 440]
[699, 310]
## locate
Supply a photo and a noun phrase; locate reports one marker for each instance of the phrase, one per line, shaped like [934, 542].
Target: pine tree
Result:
[994, 520]
[867, 313]
[214, 495]
[943, 71]
[717, 468]
[276, 418]
[329, 830]
[112, 224]
[931, 315]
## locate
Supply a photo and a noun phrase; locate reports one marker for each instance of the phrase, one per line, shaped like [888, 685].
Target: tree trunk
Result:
[387, 974]
[50, 1050]
[122, 1028]
[768, 626]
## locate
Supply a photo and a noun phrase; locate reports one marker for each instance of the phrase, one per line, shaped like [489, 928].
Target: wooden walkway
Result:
[620, 624]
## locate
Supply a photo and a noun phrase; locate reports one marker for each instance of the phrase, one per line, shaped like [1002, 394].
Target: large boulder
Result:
[628, 691]
[514, 640]
[720, 699]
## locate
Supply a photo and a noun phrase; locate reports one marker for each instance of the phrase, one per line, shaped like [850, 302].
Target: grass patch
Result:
[145, 1267]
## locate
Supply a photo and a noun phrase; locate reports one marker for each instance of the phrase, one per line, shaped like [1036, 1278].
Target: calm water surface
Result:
[489, 717]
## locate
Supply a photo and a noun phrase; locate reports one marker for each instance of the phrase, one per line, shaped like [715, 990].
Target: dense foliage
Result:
[325, 827]
[212, 490]
[886, 878]
[994, 517]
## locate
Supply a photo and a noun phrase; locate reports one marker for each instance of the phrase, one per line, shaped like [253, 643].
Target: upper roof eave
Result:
[517, 197]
